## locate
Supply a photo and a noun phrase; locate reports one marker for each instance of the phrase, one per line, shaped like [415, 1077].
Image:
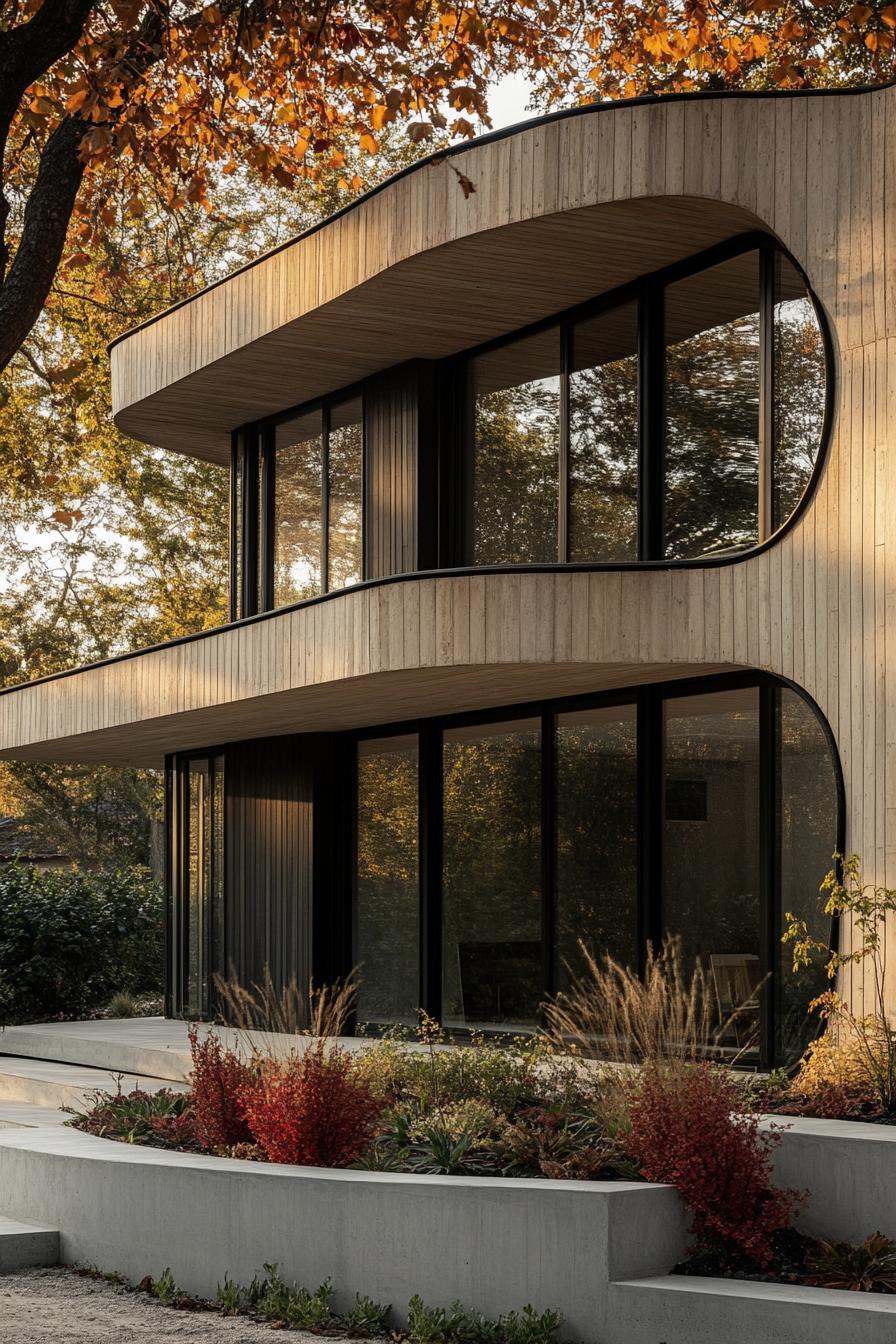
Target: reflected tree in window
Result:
[603, 437]
[712, 410]
[297, 510]
[516, 452]
[492, 971]
[344, 465]
[388, 893]
[799, 389]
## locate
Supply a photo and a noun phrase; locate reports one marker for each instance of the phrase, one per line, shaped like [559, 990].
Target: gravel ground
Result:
[58, 1306]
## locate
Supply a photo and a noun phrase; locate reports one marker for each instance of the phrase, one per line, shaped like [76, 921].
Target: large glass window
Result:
[491, 882]
[807, 818]
[597, 836]
[711, 851]
[707, 813]
[604, 437]
[345, 455]
[297, 509]
[202, 880]
[517, 443]
[712, 410]
[680, 422]
[388, 888]
[799, 388]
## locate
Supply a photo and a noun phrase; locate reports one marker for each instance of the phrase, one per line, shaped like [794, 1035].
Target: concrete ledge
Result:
[494, 1244]
[23, 1245]
[849, 1169]
[725, 1311]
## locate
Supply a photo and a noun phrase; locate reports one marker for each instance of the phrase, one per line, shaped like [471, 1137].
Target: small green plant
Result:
[229, 1297]
[310, 1311]
[459, 1325]
[866, 909]
[366, 1317]
[134, 1117]
[165, 1289]
[869, 1267]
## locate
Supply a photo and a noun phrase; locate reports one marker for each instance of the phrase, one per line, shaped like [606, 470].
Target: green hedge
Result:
[71, 939]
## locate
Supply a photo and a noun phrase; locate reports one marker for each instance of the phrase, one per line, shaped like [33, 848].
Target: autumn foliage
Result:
[310, 1109]
[689, 1129]
[217, 1079]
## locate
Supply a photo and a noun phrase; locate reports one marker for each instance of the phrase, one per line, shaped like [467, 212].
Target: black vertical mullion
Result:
[169, 916]
[548, 853]
[563, 456]
[769, 865]
[766, 391]
[430, 841]
[325, 499]
[651, 420]
[651, 773]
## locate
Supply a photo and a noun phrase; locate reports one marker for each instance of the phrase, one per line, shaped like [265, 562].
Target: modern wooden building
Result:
[563, 566]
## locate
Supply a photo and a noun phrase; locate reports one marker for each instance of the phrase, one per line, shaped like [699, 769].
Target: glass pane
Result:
[297, 509]
[216, 895]
[345, 456]
[603, 437]
[516, 452]
[712, 410]
[711, 879]
[198, 886]
[492, 973]
[800, 381]
[597, 839]
[808, 837]
[388, 918]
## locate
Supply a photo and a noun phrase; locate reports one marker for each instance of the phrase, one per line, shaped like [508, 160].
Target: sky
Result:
[507, 101]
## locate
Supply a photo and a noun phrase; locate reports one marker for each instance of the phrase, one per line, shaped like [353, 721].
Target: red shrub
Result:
[312, 1110]
[689, 1129]
[175, 1130]
[217, 1078]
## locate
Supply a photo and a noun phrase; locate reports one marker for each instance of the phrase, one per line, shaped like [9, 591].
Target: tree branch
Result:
[30, 49]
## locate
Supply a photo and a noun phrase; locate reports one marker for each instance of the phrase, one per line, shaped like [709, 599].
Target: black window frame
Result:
[648, 293]
[177, 842]
[649, 701]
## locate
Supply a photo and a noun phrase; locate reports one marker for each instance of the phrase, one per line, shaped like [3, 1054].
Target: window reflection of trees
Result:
[344, 457]
[297, 522]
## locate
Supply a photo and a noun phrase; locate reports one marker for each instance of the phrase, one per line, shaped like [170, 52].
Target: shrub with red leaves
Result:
[176, 1131]
[217, 1078]
[689, 1129]
[312, 1109]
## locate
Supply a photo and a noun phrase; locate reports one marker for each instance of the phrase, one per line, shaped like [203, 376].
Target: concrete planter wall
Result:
[849, 1170]
[493, 1244]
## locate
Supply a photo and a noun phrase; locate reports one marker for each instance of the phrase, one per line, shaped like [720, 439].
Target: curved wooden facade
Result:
[562, 210]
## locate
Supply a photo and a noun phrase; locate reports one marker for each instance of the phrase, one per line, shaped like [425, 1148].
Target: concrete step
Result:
[23, 1245]
[684, 1310]
[39, 1082]
[23, 1115]
[153, 1047]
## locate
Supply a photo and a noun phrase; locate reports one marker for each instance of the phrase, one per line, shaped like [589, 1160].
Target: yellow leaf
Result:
[367, 142]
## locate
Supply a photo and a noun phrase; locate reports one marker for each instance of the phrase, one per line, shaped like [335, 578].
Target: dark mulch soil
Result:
[790, 1248]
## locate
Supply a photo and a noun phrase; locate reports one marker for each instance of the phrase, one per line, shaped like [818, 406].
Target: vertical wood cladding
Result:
[400, 454]
[268, 847]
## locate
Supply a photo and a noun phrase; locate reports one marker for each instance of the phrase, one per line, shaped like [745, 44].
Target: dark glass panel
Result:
[492, 970]
[516, 452]
[344, 461]
[712, 410]
[808, 836]
[204, 905]
[800, 380]
[297, 509]
[388, 892]
[711, 878]
[238, 530]
[597, 839]
[603, 437]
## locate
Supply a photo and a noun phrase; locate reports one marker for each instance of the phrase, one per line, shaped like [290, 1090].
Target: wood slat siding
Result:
[391, 416]
[559, 212]
[268, 857]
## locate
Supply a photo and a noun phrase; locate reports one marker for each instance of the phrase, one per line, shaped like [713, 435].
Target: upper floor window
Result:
[681, 419]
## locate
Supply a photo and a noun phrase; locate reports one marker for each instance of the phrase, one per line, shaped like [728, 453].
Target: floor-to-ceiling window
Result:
[198, 882]
[387, 915]
[706, 810]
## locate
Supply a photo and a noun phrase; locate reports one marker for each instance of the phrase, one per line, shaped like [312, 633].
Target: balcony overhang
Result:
[562, 210]
[378, 654]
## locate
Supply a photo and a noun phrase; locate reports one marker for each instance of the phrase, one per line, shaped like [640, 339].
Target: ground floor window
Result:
[196, 884]
[490, 847]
